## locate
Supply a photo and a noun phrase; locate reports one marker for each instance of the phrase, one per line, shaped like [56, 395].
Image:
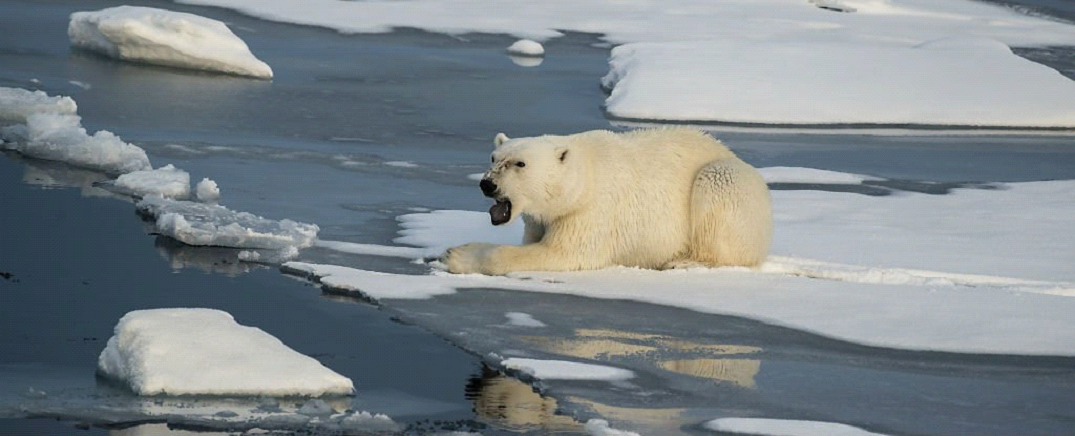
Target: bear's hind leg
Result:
[731, 216]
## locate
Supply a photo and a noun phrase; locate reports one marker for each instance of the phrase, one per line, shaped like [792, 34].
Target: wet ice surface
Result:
[324, 143]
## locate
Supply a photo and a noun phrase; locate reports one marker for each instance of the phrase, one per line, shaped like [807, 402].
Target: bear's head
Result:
[532, 176]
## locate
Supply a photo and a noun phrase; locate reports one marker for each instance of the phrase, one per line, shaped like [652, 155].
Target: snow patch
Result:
[205, 352]
[212, 225]
[163, 37]
[784, 427]
[566, 370]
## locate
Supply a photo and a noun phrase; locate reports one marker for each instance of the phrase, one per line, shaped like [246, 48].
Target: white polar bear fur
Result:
[658, 198]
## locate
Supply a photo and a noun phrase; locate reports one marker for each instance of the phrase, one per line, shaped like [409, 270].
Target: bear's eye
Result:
[520, 164]
[492, 159]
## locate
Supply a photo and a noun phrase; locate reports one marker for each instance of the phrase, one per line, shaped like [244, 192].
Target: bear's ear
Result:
[562, 153]
[500, 139]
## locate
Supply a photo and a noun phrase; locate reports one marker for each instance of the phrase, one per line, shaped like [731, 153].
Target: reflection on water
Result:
[222, 260]
[49, 174]
[682, 356]
[108, 407]
[737, 371]
[510, 404]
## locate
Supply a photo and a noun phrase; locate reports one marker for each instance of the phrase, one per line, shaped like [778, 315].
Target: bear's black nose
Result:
[488, 187]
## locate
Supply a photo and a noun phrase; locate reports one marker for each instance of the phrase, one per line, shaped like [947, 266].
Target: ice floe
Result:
[205, 352]
[887, 62]
[46, 127]
[167, 181]
[900, 271]
[523, 320]
[936, 83]
[195, 223]
[600, 427]
[163, 37]
[566, 370]
[207, 191]
[526, 47]
[784, 427]
[17, 103]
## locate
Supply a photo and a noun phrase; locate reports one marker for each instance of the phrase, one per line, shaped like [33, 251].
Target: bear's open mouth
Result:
[500, 213]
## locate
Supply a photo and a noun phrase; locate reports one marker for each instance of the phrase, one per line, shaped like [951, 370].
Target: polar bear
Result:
[656, 198]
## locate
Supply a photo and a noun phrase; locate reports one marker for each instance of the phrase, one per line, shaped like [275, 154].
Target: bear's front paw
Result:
[466, 259]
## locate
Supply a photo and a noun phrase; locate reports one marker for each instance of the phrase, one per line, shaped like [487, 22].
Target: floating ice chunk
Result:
[60, 137]
[566, 370]
[162, 37]
[16, 104]
[167, 181]
[213, 225]
[784, 427]
[204, 351]
[526, 47]
[827, 83]
[207, 191]
[523, 320]
[599, 427]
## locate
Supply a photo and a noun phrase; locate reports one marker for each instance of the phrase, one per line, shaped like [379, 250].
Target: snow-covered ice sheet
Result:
[213, 225]
[163, 37]
[888, 62]
[204, 351]
[672, 20]
[566, 370]
[167, 181]
[44, 127]
[908, 270]
[939, 83]
[784, 427]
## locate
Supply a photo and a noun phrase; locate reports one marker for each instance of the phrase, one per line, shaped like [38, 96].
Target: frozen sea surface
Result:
[357, 130]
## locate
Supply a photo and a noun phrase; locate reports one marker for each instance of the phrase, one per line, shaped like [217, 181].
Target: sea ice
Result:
[163, 37]
[47, 128]
[213, 225]
[936, 83]
[936, 277]
[167, 181]
[523, 320]
[566, 370]
[17, 103]
[784, 427]
[600, 427]
[526, 47]
[62, 138]
[205, 352]
[811, 175]
[765, 61]
[207, 191]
